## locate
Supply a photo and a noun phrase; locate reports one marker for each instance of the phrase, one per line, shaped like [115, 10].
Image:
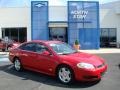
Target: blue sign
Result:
[39, 20]
[39, 5]
[83, 23]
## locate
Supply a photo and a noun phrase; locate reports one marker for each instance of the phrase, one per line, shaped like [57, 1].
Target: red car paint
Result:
[47, 64]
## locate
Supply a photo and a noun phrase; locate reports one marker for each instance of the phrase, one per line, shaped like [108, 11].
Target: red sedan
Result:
[57, 59]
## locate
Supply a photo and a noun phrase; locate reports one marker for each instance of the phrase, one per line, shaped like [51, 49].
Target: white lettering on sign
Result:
[79, 14]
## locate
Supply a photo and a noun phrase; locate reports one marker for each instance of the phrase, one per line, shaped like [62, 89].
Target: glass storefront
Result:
[108, 37]
[16, 34]
[58, 33]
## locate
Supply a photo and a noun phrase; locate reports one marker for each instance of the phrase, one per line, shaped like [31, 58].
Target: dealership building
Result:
[93, 25]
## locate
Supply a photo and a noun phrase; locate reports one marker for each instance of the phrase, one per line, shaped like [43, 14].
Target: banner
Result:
[39, 20]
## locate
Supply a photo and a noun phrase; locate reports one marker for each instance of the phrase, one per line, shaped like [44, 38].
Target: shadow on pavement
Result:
[45, 79]
[119, 66]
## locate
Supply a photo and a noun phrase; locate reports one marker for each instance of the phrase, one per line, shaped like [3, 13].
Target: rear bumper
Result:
[90, 75]
[3, 47]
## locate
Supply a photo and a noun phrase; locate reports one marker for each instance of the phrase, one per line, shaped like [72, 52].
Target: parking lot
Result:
[27, 80]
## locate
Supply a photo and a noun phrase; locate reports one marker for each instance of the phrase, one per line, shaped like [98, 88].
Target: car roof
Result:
[46, 41]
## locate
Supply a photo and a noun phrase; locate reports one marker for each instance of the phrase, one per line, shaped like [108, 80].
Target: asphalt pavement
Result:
[4, 56]
[27, 80]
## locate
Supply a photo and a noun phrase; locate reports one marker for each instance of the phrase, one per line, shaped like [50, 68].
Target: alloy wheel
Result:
[17, 65]
[65, 75]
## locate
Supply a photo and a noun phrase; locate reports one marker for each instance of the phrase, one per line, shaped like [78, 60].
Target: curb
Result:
[102, 51]
[4, 53]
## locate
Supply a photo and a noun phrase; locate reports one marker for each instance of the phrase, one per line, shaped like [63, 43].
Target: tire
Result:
[8, 48]
[17, 65]
[3, 50]
[65, 74]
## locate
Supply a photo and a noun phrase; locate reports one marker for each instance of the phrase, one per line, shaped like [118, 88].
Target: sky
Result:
[21, 3]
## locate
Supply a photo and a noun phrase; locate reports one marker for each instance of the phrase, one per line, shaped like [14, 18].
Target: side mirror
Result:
[47, 53]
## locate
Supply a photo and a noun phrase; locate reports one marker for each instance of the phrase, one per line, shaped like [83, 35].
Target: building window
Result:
[58, 33]
[16, 34]
[108, 37]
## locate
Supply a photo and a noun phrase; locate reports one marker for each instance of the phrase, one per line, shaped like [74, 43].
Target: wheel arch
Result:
[64, 64]
[15, 58]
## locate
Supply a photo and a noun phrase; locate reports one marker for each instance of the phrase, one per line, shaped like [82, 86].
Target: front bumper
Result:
[89, 75]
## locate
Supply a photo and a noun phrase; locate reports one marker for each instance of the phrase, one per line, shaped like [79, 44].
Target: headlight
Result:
[85, 66]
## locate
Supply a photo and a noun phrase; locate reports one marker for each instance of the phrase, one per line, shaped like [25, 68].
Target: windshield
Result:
[62, 48]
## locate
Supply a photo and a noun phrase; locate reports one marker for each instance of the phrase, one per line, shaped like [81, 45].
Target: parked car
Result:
[57, 59]
[8, 45]
[2, 45]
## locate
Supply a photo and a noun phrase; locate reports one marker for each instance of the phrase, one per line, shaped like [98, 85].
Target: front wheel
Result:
[65, 74]
[17, 65]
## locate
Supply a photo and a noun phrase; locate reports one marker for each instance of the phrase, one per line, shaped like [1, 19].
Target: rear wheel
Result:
[8, 48]
[17, 65]
[3, 50]
[65, 74]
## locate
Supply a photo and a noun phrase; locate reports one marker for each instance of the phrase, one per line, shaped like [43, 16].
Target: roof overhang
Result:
[58, 24]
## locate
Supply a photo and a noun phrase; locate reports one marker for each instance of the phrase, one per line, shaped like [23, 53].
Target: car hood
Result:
[82, 57]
